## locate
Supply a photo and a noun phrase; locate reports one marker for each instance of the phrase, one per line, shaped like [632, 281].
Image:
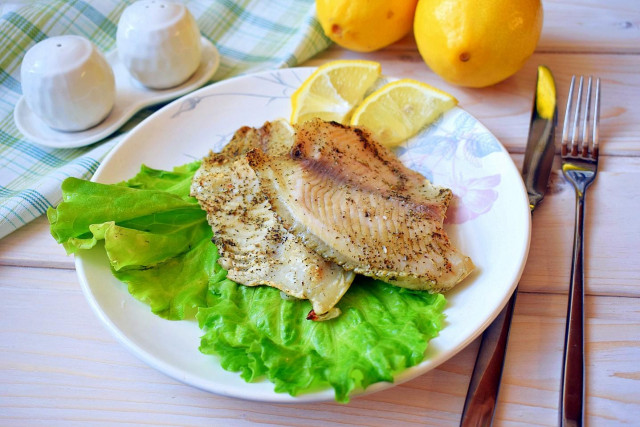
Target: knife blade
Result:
[482, 395]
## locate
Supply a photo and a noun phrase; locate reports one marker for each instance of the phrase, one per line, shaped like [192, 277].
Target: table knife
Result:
[480, 403]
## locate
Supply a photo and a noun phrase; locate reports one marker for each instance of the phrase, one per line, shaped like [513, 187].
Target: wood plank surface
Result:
[592, 26]
[529, 393]
[33, 246]
[59, 365]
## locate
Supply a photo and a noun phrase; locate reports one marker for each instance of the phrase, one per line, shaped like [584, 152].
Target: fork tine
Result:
[585, 123]
[576, 120]
[596, 121]
[567, 117]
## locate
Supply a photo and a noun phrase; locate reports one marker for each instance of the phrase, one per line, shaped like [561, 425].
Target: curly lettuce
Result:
[382, 330]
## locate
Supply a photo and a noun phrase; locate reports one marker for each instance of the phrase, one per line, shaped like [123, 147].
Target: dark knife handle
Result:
[482, 395]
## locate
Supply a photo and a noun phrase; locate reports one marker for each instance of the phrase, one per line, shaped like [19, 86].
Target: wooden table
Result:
[59, 365]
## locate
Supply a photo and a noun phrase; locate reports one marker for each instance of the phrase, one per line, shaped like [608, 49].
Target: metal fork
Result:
[579, 166]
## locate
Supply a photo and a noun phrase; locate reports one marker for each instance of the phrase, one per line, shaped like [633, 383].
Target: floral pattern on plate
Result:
[450, 152]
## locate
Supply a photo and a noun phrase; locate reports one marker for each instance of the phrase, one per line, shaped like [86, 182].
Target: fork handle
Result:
[572, 393]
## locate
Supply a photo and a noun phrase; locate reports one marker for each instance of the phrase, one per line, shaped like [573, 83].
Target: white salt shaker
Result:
[67, 83]
[159, 43]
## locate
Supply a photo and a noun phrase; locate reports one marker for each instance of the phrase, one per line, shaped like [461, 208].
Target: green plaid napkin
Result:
[250, 35]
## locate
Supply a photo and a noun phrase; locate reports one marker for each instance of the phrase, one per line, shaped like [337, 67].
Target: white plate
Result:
[131, 97]
[493, 225]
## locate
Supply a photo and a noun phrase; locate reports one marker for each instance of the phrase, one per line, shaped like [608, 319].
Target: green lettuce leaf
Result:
[383, 329]
[176, 288]
[176, 182]
[156, 237]
[85, 203]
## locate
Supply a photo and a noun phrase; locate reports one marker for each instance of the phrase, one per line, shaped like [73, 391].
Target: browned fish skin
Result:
[366, 164]
[272, 138]
[353, 201]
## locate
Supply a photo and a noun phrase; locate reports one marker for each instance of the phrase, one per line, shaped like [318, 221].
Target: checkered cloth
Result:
[250, 35]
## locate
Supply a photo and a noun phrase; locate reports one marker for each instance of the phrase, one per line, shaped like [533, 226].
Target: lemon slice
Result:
[400, 109]
[333, 90]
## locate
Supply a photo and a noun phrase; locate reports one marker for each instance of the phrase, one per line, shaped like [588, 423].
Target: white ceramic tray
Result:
[131, 97]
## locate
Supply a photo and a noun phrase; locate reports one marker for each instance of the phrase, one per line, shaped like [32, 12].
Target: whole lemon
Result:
[477, 43]
[365, 25]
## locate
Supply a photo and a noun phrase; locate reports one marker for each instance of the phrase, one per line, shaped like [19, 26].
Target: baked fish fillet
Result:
[352, 201]
[274, 138]
[254, 247]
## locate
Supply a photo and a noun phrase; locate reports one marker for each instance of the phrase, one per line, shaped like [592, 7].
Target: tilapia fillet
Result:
[254, 247]
[352, 201]
[274, 138]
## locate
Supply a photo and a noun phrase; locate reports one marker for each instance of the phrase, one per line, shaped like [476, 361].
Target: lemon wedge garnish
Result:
[333, 90]
[400, 109]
